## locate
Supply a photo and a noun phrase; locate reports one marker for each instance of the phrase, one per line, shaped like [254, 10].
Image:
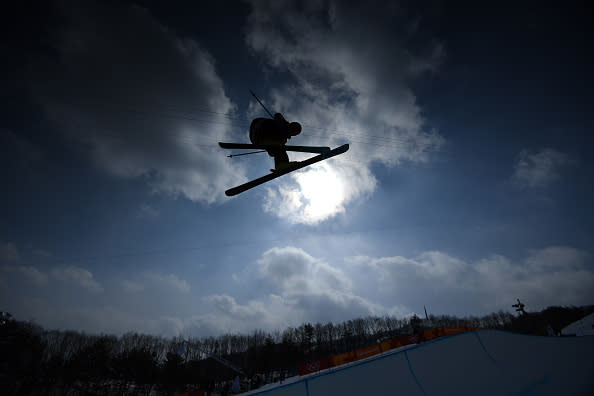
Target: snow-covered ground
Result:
[478, 362]
[582, 327]
[298, 378]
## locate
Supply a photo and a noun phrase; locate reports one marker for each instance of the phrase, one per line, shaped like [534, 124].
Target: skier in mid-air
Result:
[275, 131]
[271, 134]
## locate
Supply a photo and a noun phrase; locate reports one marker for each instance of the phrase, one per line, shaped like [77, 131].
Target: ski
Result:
[301, 149]
[302, 164]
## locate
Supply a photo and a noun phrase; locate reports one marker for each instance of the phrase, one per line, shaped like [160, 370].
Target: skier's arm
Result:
[278, 117]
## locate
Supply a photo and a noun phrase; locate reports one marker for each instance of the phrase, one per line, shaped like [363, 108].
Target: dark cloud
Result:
[9, 252]
[116, 85]
[539, 168]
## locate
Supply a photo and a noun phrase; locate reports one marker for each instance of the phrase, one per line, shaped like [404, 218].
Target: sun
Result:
[323, 193]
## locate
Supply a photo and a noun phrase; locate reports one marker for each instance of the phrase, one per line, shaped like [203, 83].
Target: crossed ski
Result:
[323, 154]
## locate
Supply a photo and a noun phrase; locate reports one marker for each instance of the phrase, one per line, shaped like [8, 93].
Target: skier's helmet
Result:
[295, 128]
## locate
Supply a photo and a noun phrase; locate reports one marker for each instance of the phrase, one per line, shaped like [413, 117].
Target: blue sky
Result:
[467, 184]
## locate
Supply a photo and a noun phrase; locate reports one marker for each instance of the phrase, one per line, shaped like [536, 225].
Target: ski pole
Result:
[261, 104]
[251, 152]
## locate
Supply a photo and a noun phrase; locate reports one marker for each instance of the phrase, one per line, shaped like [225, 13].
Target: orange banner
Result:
[386, 345]
[395, 343]
[343, 358]
[449, 330]
[433, 333]
[383, 347]
[366, 352]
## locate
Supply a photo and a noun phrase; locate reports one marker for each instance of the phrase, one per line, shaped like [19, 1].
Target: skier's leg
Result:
[278, 152]
[281, 159]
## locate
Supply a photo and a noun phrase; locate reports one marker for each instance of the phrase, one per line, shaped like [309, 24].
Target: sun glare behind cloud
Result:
[310, 196]
[322, 191]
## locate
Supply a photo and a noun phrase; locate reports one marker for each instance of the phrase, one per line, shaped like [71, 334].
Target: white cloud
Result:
[352, 83]
[292, 270]
[8, 251]
[293, 287]
[286, 266]
[132, 287]
[152, 281]
[550, 276]
[289, 286]
[33, 275]
[78, 276]
[169, 281]
[539, 168]
[227, 305]
[309, 289]
[169, 326]
[319, 193]
[558, 259]
[28, 273]
[229, 316]
[119, 82]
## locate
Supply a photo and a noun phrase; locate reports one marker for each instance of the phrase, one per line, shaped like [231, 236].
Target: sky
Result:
[467, 183]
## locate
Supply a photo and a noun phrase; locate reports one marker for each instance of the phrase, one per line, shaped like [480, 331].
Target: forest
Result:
[35, 361]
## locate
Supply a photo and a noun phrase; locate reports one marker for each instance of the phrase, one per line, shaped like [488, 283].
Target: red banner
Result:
[313, 367]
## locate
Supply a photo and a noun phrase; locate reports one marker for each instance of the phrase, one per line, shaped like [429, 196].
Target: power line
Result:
[241, 122]
[211, 144]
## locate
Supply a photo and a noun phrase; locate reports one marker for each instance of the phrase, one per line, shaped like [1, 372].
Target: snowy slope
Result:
[485, 362]
[583, 327]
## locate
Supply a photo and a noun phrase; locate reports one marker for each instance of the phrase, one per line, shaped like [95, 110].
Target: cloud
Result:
[351, 83]
[147, 210]
[121, 85]
[169, 281]
[539, 168]
[227, 316]
[308, 288]
[289, 286]
[132, 287]
[292, 270]
[29, 273]
[319, 193]
[227, 305]
[292, 287]
[286, 266]
[77, 276]
[8, 251]
[151, 281]
[550, 276]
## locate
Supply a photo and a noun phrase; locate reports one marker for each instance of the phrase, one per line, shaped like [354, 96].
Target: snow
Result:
[478, 362]
[583, 327]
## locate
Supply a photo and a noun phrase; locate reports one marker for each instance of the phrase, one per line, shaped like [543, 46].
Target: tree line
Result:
[38, 361]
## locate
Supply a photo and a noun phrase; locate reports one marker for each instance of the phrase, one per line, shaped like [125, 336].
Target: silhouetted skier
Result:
[274, 131]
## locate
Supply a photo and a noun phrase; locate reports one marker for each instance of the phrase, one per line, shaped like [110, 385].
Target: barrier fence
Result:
[363, 353]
